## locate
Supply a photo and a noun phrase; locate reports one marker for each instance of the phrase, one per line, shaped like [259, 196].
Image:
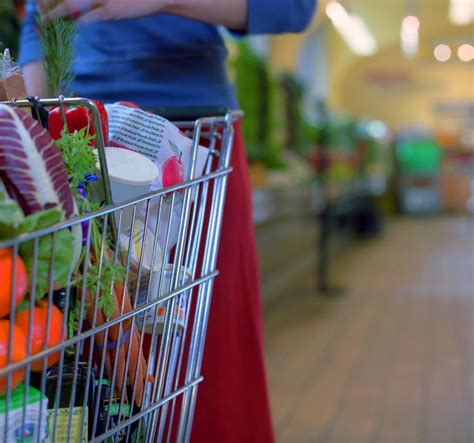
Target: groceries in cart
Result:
[11, 78]
[74, 272]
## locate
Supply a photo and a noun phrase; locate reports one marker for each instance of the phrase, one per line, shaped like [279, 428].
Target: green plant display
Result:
[341, 132]
[300, 134]
[259, 97]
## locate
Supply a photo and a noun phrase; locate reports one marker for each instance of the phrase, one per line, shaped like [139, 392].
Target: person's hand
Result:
[87, 11]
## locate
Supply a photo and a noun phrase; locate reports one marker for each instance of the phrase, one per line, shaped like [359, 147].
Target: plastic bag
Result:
[7, 65]
[12, 84]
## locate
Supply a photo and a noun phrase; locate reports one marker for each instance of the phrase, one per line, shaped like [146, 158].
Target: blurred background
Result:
[360, 138]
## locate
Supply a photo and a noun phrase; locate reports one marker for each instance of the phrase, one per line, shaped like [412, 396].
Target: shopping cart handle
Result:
[190, 113]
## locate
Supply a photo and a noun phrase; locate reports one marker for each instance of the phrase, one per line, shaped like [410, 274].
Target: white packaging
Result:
[34, 430]
[135, 244]
[159, 140]
[157, 287]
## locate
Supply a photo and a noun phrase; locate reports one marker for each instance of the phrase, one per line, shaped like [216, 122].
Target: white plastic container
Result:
[131, 175]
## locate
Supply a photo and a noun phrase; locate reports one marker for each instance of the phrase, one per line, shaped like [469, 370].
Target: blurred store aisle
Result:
[391, 362]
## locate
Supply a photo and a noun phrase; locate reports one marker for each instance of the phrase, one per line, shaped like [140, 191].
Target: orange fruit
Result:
[18, 354]
[21, 281]
[38, 332]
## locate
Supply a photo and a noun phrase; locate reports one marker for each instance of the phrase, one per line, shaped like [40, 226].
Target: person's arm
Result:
[229, 13]
[246, 16]
[278, 17]
[31, 55]
[33, 73]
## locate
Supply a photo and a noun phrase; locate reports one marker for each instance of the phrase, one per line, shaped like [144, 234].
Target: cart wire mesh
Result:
[131, 373]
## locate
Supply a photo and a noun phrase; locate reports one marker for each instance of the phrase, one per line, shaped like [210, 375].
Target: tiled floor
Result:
[392, 360]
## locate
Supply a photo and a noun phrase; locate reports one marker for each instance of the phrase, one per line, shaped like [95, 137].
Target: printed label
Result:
[62, 425]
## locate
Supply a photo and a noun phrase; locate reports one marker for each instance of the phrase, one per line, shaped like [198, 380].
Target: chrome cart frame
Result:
[99, 390]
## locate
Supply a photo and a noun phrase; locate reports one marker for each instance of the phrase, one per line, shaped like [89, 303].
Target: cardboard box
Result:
[12, 87]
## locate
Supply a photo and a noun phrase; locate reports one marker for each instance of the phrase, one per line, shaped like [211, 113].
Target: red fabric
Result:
[232, 402]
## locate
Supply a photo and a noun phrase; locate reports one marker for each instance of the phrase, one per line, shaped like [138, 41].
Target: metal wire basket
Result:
[131, 374]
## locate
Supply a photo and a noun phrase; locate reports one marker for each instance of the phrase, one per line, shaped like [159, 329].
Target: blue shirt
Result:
[163, 60]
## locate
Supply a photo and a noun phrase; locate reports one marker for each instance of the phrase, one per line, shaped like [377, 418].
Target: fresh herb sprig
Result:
[78, 157]
[102, 273]
[57, 38]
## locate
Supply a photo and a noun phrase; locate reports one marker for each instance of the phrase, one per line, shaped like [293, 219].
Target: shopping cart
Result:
[131, 374]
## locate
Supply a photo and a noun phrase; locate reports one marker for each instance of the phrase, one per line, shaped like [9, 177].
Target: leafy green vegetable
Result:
[78, 157]
[40, 220]
[80, 161]
[14, 223]
[104, 280]
[63, 242]
[11, 217]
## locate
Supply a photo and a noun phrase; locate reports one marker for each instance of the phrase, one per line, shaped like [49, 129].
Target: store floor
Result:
[392, 360]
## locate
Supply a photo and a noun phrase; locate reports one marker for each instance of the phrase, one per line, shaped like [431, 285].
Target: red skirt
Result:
[232, 401]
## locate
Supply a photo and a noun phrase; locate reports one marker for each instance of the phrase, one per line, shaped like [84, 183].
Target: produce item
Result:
[77, 118]
[24, 424]
[18, 353]
[6, 272]
[128, 104]
[14, 223]
[103, 281]
[39, 332]
[58, 50]
[12, 84]
[173, 173]
[122, 339]
[31, 166]
[34, 175]
[67, 249]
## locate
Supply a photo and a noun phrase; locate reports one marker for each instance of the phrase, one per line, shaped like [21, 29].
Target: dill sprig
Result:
[57, 38]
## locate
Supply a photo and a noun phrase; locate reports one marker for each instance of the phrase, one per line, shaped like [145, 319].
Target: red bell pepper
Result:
[77, 118]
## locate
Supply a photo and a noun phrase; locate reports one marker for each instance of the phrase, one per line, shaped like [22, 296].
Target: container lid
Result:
[130, 167]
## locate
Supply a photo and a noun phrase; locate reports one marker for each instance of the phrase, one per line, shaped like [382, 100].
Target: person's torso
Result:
[157, 61]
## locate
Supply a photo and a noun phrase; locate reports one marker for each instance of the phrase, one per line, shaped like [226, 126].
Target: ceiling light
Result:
[461, 12]
[352, 29]
[336, 12]
[442, 53]
[411, 24]
[409, 35]
[466, 52]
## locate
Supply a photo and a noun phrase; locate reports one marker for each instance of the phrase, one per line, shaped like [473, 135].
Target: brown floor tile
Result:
[390, 362]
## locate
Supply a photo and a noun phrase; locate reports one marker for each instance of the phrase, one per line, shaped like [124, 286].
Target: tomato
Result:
[128, 105]
[172, 171]
[21, 281]
[77, 118]
[104, 120]
[18, 350]
[38, 334]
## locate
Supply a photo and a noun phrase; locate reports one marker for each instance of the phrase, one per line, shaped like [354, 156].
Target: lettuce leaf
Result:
[11, 216]
[14, 223]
